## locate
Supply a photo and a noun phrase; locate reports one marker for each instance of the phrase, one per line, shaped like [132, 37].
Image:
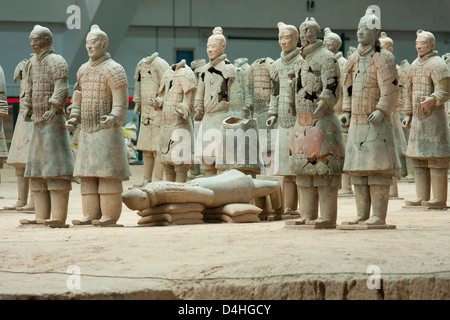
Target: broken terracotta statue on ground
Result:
[224, 197]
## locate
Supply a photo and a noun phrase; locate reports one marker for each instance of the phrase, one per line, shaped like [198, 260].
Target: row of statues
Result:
[337, 124]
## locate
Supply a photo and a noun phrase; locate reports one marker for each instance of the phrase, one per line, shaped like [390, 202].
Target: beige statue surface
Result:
[226, 195]
[399, 137]
[282, 107]
[333, 42]
[425, 115]
[100, 104]
[20, 143]
[370, 94]
[147, 78]
[3, 113]
[196, 66]
[50, 159]
[316, 142]
[212, 100]
[239, 88]
[176, 99]
[257, 105]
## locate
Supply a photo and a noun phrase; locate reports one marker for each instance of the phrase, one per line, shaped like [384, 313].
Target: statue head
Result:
[96, 42]
[425, 42]
[367, 28]
[386, 42]
[136, 199]
[308, 31]
[216, 44]
[287, 37]
[331, 40]
[41, 38]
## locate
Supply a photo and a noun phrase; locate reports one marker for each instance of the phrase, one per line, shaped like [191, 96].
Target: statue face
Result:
[38, 43]
[365, 35]
[331, 45]
[307, 36]
[287, 40]
[423, 46]
[214, 48]
[94, 46]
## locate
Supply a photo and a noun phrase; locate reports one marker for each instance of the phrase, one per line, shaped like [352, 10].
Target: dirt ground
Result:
[225, 261]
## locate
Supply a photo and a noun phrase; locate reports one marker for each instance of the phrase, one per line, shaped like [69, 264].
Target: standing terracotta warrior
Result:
[257, 104]
[399, 137]
[212, 100]
[370, 94]
[282, 108]
[316, 142]
[20, 143]
[428, 145]
[100, 104]
[50, 158]
[176, 100]
[147, 77]
[333, 42]
[3, 113]
[239, 89]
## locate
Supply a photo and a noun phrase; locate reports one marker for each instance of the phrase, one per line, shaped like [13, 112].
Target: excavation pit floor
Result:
[225, 261]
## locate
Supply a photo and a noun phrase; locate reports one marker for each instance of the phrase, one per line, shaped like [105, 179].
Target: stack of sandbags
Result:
[172, 214]
[233, 213]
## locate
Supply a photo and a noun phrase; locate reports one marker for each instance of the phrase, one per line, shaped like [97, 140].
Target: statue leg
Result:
[328, 204]
[181, 173]
[169, 173]
[362, 199]
[393, 190]
[291, 195]
[90, 201]
[41, 200]
[59, 198]
[309, 205]
[422, 182]
[22, 190]
[346, 185]
[439, 183]
[379, 195]
[110, 202]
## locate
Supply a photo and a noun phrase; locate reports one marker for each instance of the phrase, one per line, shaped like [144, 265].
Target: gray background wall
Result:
[138, 28]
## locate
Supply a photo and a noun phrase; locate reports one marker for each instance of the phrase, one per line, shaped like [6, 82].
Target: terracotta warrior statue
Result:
[212, 100]
[20, 143]
[147, 78]
[257, 104]
[3, 113]
[230, 186]
[428, 144]
[176, 99]
[316, 142]
[370, 94]
[239, 88]
[100, 105]
[282, 107]
[50, 159]
[333, 42]
[399, 137]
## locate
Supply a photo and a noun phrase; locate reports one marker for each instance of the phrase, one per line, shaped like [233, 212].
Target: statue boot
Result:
[290, 196]
[59, 208]
[393, 189]
[111, 208]
[91, 209]
[363, 203]
[422, 182]
[43, 207]
[379, 195]
[309, 206]
[23, 186]
[346, 185]
[439, 186]
[328, 199]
